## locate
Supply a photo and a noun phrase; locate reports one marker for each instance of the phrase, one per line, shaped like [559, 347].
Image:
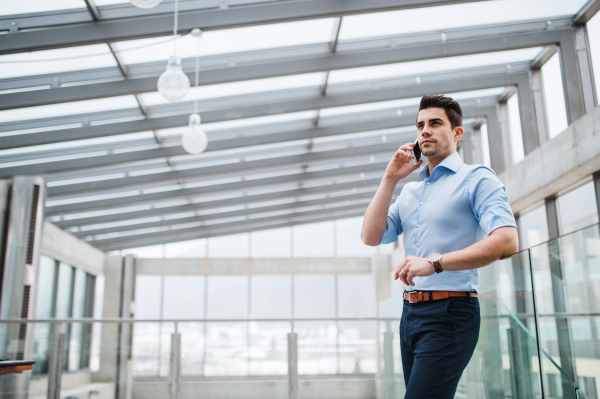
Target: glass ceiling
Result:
[54, 61]
[10, 7]
[83, 59]
[453, 16]
[230, 40]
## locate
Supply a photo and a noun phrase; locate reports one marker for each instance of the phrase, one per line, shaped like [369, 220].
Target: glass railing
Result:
[225, 357]
[540, 326]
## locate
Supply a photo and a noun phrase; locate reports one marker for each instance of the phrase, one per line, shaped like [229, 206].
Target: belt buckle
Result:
[410, 295]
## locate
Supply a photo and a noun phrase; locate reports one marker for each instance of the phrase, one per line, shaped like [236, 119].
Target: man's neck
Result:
[435, 161]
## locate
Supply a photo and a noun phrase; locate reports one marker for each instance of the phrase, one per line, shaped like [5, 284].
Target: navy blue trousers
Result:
[437, 340]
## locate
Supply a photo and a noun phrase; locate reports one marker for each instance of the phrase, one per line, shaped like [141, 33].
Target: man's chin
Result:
[429, 153]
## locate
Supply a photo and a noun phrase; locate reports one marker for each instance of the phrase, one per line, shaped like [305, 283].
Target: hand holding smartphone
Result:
[416, 154]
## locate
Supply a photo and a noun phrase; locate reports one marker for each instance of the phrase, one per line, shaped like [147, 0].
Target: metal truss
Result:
[293, 192]
[125, 23]
[137, 197]
[195, 228]
[275, 162]
[169, 236]
[107, 228]
[334, 99]
[291, 61]
[383, 119]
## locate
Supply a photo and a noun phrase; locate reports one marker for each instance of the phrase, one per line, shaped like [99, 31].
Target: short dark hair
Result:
[452, 108]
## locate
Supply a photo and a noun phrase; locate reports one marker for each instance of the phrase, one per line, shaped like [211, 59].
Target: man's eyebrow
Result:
[431, 120]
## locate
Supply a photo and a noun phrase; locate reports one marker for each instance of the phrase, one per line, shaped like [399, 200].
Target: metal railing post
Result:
[55, 361]
[174, 369]
[293, 365]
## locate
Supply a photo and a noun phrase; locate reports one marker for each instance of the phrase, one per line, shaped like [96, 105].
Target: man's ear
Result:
[459, 132]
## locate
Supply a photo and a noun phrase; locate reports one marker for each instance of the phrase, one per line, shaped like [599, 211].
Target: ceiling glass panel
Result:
[453, 16]
[351, 109]
[9, 7]
[109, 2]
[78, 143]
[55, 61]
[229, 40]
[237, 88]
[243, 122]
[432, 66]
[72, 108]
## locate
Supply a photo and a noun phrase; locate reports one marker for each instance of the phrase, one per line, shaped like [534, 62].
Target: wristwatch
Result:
[436, 260]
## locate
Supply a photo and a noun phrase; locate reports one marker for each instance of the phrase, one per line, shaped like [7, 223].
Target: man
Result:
[455, 220]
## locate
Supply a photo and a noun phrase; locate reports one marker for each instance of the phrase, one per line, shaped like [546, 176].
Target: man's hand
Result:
[412, 266]
[399, 167]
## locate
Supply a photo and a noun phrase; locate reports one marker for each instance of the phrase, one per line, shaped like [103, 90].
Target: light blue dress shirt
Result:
[450, 210]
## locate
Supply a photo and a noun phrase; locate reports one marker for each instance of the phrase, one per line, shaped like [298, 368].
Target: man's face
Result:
[436, 136]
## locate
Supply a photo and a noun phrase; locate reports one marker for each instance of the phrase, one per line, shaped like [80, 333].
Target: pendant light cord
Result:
[197, 75]
[175, 30]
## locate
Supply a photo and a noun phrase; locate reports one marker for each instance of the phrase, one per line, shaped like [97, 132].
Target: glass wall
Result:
[515, 131]
[593, 30]
[63, 292]
[533, 227]
[337, 238]
[577, 208]
[554, 96]
[233, 346]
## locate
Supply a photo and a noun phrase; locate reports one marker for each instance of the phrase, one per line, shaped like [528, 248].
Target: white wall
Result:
[65, 247]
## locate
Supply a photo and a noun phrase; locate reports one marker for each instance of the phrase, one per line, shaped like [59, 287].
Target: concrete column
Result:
[527, 111]
[125, 337]
[578, 81]
[292, 365]
[115, 345]
[23, 207]
[558, 294]
[597, 190]
[498, 139]
[539, 104]
[467, 145]
[489, 348]
[381, 269]
[109, 342]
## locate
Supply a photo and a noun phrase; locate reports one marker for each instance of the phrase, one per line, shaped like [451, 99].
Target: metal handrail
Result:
[132, 320]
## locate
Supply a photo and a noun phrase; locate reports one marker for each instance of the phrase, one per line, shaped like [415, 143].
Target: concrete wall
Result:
[322, 388]
[65, 247]
[558, 164]
[246, 266]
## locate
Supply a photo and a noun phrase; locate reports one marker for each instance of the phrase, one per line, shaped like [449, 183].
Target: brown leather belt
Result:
[424, 296]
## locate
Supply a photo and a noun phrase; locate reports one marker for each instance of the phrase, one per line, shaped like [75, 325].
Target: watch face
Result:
[434, 257]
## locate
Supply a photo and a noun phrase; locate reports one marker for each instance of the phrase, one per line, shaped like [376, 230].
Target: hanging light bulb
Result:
[173, 84]
[194, 140]
[145, 3]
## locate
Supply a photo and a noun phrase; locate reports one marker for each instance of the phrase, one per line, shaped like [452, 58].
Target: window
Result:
[593, 30]
[233, 246]
[533, 227]
[577, 209]
[63, 292]
[314, 240]
[514, 128]
[263, 291]
[485, 146]
[314, 296]
[554, 96]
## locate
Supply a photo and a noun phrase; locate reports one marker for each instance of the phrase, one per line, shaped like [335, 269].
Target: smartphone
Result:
[416, 153]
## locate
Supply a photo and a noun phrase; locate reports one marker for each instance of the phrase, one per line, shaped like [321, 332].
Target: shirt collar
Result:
[451, 162]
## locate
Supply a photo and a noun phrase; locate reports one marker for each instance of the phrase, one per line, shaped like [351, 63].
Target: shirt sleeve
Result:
[394, 226]
[489, 201]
